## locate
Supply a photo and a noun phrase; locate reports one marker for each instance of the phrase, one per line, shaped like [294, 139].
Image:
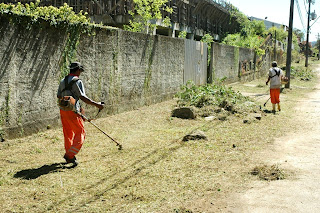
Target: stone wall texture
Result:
[237, 64]
[126, 70]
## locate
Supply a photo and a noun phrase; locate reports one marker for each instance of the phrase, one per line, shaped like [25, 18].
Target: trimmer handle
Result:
[102, 104]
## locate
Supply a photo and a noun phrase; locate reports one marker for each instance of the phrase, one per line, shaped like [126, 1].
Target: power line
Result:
[305, 6]
[300, 15]
[315, 21]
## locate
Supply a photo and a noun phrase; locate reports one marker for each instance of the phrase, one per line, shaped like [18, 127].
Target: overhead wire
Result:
[300, 16]
[316, 18]
[305, 6]
[315, 21]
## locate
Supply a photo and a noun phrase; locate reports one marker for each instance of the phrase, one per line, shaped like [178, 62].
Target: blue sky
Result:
[278, 11]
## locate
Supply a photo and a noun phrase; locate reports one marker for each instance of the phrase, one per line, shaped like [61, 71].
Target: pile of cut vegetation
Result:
[269, 173]
[212, 99]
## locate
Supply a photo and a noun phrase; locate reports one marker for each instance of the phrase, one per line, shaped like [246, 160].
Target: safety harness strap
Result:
[68, 86]
[277, 73]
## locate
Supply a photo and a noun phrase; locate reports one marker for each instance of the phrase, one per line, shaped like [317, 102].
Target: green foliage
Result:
[252, 42]
[32, 14]
[315, 50]
[182, 34]
[241, 18]
[296, 56]
[53, 15]
[302, 73]
[251, 35]
[208, 39]
[211, 94]
[258, 27]
[298, 33]
[248, 27]
[146, 11]
[70, 49]
[281, 34]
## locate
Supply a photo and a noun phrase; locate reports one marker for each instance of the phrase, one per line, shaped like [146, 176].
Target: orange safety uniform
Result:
[72, 123]
[73, 131]
[275, 95]
[275, 74]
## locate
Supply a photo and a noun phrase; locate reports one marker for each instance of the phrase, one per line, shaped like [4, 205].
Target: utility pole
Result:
[308, 28]
[318, 42]
[275, 46]
[289, 46]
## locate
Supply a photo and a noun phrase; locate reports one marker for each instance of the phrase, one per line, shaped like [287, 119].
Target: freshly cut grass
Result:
[155, 171]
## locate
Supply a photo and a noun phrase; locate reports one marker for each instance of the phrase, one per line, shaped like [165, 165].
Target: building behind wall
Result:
[270, 24]
[196, 17]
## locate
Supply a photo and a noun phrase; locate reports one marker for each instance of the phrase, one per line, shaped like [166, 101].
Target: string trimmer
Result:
[266, 102]
[89, 120]
[281, 89]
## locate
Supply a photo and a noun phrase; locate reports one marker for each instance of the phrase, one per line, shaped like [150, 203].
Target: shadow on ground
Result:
[30, 174]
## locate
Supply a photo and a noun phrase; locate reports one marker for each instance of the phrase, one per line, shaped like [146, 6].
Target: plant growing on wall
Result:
[146, 13]
[55, 16]
[182, 34]
[252, 42]
[208, 39]
[28, 15]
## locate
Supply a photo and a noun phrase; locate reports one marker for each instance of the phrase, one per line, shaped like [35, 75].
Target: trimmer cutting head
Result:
[119, 147]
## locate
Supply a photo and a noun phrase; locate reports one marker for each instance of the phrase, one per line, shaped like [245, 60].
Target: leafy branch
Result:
[145, 12]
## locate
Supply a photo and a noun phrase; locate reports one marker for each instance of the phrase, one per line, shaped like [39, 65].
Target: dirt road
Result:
[298, 154]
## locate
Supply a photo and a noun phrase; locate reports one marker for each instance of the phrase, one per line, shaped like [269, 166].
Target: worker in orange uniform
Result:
[275, 76]
[70, 90]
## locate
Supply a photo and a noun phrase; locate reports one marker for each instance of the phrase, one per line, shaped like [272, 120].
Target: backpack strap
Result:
[68, 86]
[277, 73]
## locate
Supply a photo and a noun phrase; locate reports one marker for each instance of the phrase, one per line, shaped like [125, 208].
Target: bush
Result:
[302, 73]
[216, 95]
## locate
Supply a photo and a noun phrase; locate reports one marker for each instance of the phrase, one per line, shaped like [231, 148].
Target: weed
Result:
[215, 94]
[302, 73]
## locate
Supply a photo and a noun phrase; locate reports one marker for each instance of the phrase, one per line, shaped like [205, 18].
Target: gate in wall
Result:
[195, 65]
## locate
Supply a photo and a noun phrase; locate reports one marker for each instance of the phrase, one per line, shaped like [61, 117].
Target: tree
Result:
[251, 34]
[146, 11]
[281, 34]
[299, 34]
[258, 27]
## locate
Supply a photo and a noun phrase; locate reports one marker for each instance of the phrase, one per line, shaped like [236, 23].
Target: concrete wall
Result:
[237, 64]
[125, 70]
[128, 70]
[28, 77]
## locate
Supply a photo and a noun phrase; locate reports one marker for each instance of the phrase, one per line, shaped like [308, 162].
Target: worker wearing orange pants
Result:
[74, 133]
[275, 96]
[70, 92]
[274, 77]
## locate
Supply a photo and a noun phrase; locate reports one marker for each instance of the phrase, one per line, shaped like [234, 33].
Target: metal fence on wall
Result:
[195, 65]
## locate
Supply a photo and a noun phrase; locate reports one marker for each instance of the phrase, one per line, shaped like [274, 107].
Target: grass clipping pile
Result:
[214, 100]
[268, 173]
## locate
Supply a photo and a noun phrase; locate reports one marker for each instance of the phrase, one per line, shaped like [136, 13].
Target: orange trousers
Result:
[73, 131]
[275, 95]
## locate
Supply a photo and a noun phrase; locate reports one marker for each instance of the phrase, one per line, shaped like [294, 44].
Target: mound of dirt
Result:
[269, 173]
[195, 135]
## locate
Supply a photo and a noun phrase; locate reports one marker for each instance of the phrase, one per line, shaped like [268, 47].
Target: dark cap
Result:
[75, 66]
[274, 64]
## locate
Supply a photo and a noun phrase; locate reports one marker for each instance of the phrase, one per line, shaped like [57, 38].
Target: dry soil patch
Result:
[298, 152]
